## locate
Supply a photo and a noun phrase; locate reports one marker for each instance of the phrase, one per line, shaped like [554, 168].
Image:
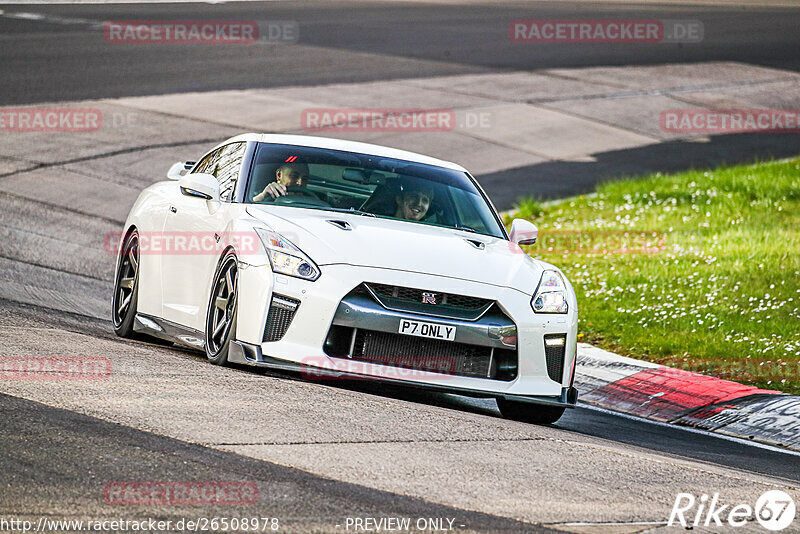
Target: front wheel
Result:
[126, 287]
[221, 318]
[530, 413]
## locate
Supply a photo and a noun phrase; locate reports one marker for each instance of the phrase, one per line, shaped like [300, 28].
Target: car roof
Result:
[342, 144]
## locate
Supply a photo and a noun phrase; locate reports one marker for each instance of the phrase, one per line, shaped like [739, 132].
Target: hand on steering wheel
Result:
[299, 190]
[276, 190]
[300, 196]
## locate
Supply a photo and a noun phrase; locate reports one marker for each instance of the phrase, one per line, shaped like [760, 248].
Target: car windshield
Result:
[335, 180]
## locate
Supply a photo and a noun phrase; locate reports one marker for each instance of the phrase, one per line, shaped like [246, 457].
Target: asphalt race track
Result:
[357, 41]
[319, 452]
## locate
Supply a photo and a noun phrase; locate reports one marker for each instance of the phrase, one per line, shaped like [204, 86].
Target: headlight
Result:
[551, 295]
[285, 258]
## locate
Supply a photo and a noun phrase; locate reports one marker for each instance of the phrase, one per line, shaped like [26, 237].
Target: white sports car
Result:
[339, 258]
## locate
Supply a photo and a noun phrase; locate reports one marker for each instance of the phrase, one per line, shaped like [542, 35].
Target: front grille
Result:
[434, 355]
[429, 302]
[409, 294]
[280, 315]
[554, 354]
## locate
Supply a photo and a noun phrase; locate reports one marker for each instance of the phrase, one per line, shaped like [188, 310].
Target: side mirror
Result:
[523, 232]
[200, 185]
[179, 169]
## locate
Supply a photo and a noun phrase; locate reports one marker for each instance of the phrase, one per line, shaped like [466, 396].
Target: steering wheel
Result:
[300, 195]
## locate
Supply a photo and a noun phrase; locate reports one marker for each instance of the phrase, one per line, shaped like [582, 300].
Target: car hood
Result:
[404, 246]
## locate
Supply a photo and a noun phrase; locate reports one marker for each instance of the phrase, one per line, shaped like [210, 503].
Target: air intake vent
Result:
[555, 347]
[281, 313]
[343, 225]
[431, 355]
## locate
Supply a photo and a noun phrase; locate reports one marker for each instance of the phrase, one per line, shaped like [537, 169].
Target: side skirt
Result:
[169, 331]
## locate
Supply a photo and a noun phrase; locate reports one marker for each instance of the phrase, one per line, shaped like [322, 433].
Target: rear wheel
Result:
[126, 287]
[530, 413]
[221, 318]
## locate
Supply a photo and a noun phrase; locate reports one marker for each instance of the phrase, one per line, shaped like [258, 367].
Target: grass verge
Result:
[698, 270]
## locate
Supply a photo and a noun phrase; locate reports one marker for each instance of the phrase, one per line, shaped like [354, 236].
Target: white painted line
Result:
[141, 2]
[740, 441]
[625, 524]
[25, 16]
[736, 3]
[38, 17]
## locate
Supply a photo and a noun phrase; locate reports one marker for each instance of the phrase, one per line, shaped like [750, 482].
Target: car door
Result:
[191, 224]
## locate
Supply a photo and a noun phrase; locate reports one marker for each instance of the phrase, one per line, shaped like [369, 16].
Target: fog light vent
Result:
[555, 348]
[281, 313]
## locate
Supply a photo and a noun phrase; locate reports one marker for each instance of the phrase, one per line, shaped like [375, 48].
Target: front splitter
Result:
[248, 354]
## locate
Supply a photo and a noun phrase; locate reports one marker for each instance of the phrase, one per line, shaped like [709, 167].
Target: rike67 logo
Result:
[775, 510]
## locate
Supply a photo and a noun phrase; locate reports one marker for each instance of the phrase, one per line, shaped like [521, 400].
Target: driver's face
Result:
[293, 175]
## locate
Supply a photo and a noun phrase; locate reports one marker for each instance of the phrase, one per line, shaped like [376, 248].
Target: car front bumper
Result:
[323, 303]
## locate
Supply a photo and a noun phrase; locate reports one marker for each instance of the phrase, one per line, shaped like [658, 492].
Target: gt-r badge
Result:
[429, 298]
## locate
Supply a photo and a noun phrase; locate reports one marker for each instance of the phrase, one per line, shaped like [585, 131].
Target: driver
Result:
[414, 200]
[287, 175]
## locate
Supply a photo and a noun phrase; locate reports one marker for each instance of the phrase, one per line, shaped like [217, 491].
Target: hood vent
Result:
[342, 225]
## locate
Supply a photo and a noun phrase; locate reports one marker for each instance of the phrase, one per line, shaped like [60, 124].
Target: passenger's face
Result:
[293, 174]
[413, 205]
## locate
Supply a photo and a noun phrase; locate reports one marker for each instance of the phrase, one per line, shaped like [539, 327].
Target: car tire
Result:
[221, 316]
[126, 287]
[530, 413]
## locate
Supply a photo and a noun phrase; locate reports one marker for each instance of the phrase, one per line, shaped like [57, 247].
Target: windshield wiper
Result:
[362, 213]
[353, 211]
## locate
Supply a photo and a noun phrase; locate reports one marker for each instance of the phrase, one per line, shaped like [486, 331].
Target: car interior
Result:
[349, 188]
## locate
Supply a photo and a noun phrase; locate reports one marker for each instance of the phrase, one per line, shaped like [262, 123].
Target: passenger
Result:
[287, 175]
[414, 200]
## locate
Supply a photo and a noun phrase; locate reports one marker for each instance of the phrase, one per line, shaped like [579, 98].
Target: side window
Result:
[224, 164]
[226, 168]
[206, 165]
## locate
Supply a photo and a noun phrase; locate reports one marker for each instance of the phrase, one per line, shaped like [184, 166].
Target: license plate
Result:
[431, 330]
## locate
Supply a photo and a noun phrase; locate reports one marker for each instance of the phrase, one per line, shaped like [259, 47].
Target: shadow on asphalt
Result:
[664, 439]
[556, 179]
